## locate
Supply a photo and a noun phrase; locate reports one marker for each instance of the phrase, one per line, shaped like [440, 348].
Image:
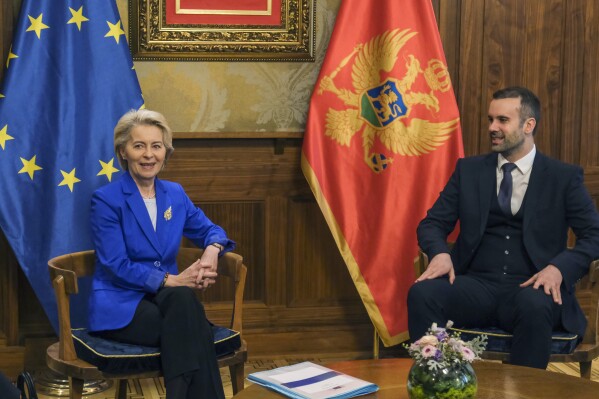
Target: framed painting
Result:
[222, 30]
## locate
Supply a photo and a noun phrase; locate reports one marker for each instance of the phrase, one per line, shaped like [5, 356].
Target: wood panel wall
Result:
[299, 296]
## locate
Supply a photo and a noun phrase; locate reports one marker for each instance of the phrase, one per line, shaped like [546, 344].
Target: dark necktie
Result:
[505, 189]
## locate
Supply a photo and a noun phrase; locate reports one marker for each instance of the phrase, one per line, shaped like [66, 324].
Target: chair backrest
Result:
[587, 293]
[66, 269]
[64, 272]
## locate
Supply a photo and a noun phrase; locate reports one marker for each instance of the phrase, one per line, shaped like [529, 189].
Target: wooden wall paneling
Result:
[12, 356]
[542, 64]
[6, 27]
[9, 289]
[277, 228]
[449, 23]
[469, 90]
[573, 50]
[308, 341]
[589, 156]
[8, 281]
[436, 8]
[449, 14]
[503, 53]
[240, 169]
[244, 224]
[317, 273]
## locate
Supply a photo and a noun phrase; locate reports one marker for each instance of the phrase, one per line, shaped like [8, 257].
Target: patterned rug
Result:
[153, 388]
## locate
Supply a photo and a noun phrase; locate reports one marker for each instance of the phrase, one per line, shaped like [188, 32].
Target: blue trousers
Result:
[529, 314]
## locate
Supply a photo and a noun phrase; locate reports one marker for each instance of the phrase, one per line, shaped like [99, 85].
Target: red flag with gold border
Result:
[382, 138]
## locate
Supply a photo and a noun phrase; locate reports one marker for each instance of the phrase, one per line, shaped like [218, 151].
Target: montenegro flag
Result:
[382, 138]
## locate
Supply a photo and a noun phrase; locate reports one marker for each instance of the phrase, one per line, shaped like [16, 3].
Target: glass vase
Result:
[458, 381]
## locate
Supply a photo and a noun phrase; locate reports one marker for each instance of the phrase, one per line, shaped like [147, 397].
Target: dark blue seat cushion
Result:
[116, 358]
[501, 341]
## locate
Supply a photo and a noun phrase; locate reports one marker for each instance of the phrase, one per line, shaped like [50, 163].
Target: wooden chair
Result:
[587, 293]
[61, 356]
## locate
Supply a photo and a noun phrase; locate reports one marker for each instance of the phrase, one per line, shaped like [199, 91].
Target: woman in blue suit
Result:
[137, 294]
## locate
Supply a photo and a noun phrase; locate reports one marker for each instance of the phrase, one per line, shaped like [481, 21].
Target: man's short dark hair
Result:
[530, 106]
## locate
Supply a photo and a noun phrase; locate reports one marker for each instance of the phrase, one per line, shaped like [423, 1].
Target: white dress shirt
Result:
[520, 177]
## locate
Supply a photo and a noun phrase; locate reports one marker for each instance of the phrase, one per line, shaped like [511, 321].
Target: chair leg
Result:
[237, 377]
[585, 369]
[75, 388]
[121, 389]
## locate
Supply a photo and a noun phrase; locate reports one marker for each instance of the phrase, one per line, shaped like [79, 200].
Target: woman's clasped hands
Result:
[201, 274]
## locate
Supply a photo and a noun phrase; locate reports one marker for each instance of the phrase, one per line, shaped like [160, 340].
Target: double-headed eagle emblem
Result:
[383, 108]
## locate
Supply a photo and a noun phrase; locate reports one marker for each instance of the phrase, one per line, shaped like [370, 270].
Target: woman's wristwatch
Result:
[217, 245]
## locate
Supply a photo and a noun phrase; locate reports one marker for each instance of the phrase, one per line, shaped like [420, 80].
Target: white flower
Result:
[428, 340]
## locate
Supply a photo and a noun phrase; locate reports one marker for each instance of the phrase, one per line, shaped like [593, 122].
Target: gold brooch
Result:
[168, 214]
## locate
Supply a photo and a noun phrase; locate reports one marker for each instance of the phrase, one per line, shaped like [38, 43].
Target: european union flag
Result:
[68, 78]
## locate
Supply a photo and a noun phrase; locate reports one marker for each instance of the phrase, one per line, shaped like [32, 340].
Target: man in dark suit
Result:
[510, 267]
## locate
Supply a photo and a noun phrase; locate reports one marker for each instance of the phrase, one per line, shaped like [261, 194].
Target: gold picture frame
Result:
[154, 37]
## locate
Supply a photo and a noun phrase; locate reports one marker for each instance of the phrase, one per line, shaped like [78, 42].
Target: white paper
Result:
[290, 382]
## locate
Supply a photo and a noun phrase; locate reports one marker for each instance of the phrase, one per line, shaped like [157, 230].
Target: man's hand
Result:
[551, 280]
[439, 266]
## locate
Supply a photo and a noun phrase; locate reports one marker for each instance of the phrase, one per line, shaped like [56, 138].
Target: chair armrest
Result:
[594, 272]
[420, 263]
[592, 314]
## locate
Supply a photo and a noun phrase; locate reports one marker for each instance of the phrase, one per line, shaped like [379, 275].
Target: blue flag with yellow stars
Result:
[68, 78]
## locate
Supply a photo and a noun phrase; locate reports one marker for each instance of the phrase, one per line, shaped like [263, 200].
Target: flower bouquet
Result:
[442, 368]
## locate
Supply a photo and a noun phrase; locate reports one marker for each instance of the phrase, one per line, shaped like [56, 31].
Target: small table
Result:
[495, 381]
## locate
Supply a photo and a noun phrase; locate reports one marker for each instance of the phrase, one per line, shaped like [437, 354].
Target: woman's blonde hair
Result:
[133, 118]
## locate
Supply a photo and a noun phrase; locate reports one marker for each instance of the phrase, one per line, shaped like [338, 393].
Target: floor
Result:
[153, 388]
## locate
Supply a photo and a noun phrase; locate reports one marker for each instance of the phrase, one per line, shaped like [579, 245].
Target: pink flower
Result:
[429, 351]
[467, 354]
[428, 340]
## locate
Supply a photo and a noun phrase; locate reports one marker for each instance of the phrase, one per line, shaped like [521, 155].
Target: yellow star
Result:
[29, 167]
[4, 137]
[69, 179]
[36, 25]
[10, 56]
[107, 169]
[1, 95]
[77, 18]
[115, 30]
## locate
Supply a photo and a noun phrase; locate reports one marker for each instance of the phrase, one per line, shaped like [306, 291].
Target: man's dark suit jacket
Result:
[555, 200]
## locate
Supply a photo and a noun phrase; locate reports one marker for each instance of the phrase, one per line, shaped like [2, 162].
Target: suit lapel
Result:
[164, 214]
[139, 210]
[486, 184]
[534, 189]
